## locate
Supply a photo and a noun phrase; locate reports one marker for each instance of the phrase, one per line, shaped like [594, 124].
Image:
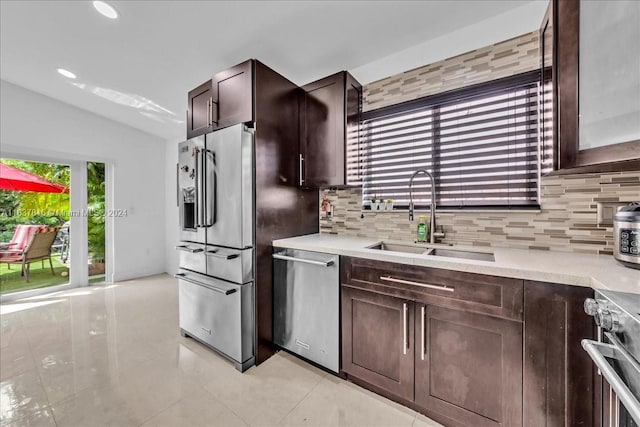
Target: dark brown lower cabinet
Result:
[468, 367]
[511, 360]
[561, 385]
[377, 332]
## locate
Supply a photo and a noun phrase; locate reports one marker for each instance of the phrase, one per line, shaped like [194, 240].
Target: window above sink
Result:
[480, 143]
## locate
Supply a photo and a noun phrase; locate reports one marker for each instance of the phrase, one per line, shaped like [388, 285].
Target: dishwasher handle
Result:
[304, 261]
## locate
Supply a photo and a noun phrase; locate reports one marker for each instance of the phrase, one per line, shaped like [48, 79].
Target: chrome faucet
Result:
[432, 219]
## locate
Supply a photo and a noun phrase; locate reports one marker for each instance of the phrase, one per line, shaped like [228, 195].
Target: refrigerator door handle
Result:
[188, 249]
[199, 188]
[182, 276]
[215, 254]
[211, 185]
[178, 184]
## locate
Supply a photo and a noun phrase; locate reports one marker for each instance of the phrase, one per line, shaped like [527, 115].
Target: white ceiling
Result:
[137, 69]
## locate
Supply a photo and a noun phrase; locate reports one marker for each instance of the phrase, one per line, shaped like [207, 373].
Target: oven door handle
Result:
[598, 351]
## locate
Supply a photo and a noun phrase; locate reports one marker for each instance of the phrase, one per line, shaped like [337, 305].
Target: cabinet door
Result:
[199, 120]
[597, 129]
[377, 340]
[468, 367]
[354, 157]
[233, 95]
[323, 132]
[560, 385]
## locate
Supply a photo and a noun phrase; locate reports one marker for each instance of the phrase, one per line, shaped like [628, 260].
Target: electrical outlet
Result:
[606, 212]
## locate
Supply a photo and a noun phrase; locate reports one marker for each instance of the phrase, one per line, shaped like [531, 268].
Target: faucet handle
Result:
[438, 232]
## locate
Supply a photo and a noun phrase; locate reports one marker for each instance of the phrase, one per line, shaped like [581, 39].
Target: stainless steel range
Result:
[617, 355]
[216, 250]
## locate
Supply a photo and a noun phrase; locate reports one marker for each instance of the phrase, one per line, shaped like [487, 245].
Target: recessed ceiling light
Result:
[106, 9]
[66, 73]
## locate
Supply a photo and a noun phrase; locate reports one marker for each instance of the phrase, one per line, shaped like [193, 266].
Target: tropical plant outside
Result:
[34, 208]
[96, 219]
[53, 209]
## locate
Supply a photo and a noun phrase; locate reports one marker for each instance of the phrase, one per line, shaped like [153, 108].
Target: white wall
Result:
[31, 123]
[171, 210]
[501, 27]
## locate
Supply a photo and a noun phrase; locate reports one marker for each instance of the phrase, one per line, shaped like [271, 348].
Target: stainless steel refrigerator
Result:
[216, 197]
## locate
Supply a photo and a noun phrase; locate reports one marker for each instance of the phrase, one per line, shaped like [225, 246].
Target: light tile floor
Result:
[112, 355]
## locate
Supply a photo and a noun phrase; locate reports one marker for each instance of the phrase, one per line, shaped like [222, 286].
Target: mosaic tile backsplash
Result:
[567, 219]
[509, 57]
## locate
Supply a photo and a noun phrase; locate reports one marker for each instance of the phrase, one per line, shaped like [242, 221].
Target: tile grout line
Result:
[224, 405]
[303, 398]
[160, 412]
[36, 365]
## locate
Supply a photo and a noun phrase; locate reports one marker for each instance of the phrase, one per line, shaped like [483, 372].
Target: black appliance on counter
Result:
[626, 235]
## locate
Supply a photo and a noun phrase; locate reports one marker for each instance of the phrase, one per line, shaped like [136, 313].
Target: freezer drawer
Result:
[234, 265]
[219, 314]
[306, 304]
[191, 256]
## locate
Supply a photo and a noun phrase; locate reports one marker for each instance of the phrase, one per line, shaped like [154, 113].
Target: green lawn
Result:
[12, 281]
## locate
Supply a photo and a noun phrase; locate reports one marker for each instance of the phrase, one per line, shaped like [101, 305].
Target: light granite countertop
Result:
[595, 271]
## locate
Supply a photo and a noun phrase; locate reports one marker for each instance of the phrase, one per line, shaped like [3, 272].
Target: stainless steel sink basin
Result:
[422, 250]
[452, 253]
[393, 247]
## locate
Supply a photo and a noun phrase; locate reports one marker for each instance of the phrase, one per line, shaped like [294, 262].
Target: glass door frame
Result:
[78, 232]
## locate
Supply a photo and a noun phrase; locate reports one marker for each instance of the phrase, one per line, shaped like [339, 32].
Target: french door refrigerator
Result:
[216, 193]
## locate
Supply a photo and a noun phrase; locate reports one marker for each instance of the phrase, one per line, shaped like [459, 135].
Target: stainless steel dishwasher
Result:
[306, 305]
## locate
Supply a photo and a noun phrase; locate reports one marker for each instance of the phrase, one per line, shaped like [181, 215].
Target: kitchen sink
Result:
[452, 253]
[422, 250]
[394, 247]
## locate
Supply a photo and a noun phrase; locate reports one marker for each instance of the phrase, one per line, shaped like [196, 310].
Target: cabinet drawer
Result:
[498, 296]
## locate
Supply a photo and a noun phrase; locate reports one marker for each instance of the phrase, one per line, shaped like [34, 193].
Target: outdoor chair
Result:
[20, 238]
[38, 248]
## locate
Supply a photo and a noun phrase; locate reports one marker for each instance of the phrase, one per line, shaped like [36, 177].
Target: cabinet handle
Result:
[214, 119]
[300, 166]
[405, 341]
[422, 344]
[210, 111]
[422, 285]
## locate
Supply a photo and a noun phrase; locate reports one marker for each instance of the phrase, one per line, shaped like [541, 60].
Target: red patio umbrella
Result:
[15, 179]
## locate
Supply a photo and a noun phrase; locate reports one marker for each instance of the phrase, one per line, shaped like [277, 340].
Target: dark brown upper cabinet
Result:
[232, 92]
[596, 84]
[225, 100]
[330, 130]
[199, 114]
